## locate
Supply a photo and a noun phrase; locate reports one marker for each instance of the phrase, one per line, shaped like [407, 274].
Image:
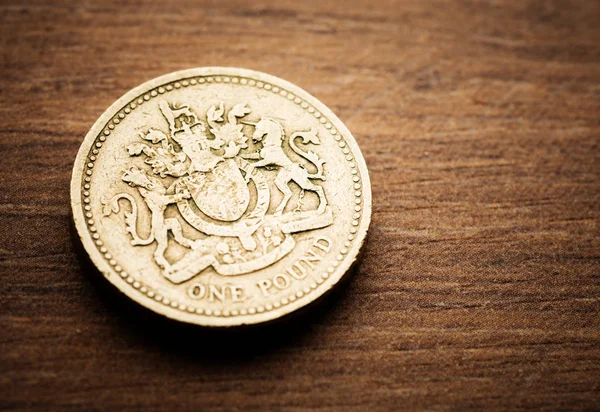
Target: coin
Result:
[221, 196]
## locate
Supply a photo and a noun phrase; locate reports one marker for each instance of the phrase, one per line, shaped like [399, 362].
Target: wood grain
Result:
[480, 285]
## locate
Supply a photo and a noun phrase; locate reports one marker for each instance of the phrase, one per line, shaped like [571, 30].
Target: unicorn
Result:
[270, 133]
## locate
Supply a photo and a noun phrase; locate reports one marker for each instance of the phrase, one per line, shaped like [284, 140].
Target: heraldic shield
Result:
[222, 193]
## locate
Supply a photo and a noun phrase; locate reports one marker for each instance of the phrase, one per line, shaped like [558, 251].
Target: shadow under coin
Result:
[142, 326]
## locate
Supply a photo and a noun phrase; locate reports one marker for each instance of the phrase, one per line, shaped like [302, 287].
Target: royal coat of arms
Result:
[207, 170]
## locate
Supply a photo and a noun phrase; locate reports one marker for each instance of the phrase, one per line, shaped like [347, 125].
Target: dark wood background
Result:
[480, 285]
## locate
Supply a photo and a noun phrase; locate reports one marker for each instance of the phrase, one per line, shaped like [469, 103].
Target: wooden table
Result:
[480, 285]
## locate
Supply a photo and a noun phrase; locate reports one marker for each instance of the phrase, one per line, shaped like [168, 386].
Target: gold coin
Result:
[221, 196]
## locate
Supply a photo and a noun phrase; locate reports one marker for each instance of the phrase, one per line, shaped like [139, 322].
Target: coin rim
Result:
[95, 256]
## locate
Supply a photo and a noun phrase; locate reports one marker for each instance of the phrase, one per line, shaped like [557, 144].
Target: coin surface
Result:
[221, 196]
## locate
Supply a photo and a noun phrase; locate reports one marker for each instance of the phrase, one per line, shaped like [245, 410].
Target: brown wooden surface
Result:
[480, 286]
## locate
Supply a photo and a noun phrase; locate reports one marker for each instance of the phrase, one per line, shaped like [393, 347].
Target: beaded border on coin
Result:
[247, 78]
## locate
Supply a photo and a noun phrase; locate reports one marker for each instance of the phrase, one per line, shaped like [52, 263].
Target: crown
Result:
[181, 119]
